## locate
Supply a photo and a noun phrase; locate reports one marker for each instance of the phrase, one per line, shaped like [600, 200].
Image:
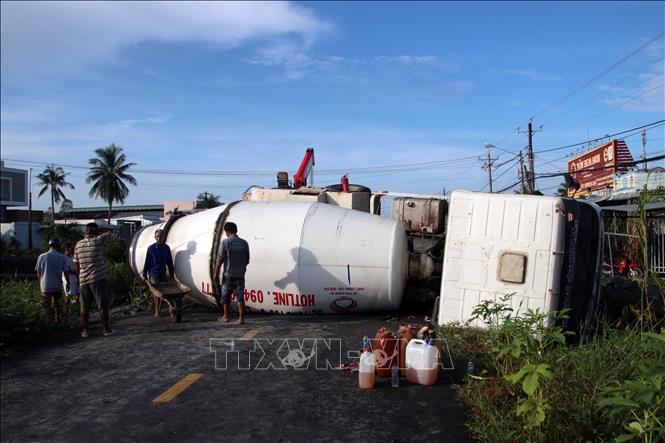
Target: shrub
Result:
[139, 296]
[115, 250]
[531, 386]
[120, 278]
[66, 233]
[22, 318]
[639, 401]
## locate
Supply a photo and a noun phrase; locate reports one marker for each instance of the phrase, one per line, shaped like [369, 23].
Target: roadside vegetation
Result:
[22, 319]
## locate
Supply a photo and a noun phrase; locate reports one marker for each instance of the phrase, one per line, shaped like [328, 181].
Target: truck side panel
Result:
[500, 244]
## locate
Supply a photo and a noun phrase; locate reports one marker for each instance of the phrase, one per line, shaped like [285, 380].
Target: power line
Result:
[511, 186]
[587, 83]
[405, 167]
[597, 76]
[558, 148]
[606, 90]
[608, 110]
[599, 168]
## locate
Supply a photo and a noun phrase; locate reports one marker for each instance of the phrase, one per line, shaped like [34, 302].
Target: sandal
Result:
[107, 333]
[84, 334]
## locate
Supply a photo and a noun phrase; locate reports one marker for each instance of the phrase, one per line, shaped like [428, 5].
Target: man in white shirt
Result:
[50, 267]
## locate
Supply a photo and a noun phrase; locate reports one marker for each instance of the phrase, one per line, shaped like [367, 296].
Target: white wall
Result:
[19, 230]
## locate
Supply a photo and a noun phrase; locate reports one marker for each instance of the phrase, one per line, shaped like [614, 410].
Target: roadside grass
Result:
[529, 385]
[23, 321]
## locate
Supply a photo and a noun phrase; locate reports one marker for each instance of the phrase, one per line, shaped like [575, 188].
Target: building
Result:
[17, 224]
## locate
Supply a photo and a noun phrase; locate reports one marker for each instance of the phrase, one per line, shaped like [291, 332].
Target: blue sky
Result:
[249, 86]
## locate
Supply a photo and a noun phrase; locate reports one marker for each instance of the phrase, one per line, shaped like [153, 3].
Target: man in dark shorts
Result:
[91, 271]
[234, 255]
[50, 268]
[157, 260]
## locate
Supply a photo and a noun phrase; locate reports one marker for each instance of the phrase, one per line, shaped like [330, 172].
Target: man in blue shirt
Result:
[157, 259]
[50, 268]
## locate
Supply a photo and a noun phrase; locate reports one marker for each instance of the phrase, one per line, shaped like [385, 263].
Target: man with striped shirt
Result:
[91, 271]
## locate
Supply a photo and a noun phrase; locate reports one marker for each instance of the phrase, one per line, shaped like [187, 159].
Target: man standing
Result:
[70, 280]
[234, 255]
[91, 271]
[50, 267]
[157, 260]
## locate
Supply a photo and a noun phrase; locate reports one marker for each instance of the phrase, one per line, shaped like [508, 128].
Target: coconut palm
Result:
[53, 178]
[108, 174]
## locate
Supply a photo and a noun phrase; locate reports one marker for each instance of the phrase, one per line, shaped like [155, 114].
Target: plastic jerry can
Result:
[405, 336]
[422, 362]
[386, 351]
[366, 367]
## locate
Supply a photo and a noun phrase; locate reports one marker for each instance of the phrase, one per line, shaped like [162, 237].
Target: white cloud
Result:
[528, 73]
[642, 91]
[449, 89]
[298, 63]
[647, 96]
[74, 35]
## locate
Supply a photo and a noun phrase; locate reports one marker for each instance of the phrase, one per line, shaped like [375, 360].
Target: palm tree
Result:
[53, 178]
[108, 174]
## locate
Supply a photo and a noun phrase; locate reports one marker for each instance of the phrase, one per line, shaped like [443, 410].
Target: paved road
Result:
[103, 388]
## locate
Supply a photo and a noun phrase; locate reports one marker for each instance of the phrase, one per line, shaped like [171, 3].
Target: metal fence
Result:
[656, 244]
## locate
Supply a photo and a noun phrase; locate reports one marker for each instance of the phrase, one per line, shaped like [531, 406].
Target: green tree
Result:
[53, 178]
[207, 200]
[108, 174]
[66, 208]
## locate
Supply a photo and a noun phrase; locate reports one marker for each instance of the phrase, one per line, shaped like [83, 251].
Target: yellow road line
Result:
[177, 388]
[250, 334]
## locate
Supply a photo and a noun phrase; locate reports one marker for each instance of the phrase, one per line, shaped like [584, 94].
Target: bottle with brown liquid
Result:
[367, 367]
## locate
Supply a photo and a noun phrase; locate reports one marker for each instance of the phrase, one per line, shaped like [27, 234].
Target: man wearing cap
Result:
[91, 271]
[50, 268]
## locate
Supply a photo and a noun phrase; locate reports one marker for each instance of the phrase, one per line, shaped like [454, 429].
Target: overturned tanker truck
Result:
[329, 251]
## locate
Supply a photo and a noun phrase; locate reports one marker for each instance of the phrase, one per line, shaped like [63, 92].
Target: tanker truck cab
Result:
[544, 251]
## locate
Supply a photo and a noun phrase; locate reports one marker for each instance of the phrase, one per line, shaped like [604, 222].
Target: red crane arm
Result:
[300, 178]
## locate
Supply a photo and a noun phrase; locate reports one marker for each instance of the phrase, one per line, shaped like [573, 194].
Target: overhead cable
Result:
[599, 75]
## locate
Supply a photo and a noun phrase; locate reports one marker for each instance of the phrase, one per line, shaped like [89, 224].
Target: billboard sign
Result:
[595, 169]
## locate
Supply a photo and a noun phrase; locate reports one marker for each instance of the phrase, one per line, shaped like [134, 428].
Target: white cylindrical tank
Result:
[306, 257]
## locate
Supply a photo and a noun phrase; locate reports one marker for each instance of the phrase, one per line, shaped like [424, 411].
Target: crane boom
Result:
[300, 178]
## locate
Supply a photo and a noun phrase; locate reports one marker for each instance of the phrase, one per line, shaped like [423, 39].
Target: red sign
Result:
[595, 169]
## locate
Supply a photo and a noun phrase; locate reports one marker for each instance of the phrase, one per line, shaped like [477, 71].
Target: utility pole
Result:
[487, 164]
[532, 175]
[30, 211]
[644, 149]
[521, 173]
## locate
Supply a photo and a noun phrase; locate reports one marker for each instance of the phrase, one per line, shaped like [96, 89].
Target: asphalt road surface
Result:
[154, 380]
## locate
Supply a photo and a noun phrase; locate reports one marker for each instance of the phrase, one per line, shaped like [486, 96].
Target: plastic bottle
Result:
[422, 361]
[394, 376]
[406, 335]
[367, 367]
[470, 367]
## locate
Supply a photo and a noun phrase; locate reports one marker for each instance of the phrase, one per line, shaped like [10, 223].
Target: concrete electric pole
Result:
[487, 164]
[531, 177]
